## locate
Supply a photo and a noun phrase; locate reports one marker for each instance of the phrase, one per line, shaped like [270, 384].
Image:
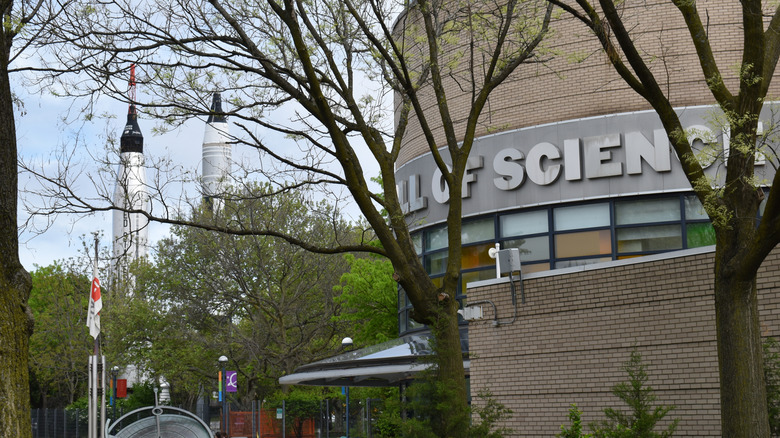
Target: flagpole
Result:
[96, 367]
[103, 397]
[91, 421]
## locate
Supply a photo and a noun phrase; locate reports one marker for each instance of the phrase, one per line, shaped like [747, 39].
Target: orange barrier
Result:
[269, 427]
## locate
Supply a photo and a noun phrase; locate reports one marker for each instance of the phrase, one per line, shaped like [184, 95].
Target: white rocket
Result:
[216, 156]
[130, 231]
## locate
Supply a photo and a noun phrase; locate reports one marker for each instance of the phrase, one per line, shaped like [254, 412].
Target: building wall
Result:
[579, 81]
[578, 327]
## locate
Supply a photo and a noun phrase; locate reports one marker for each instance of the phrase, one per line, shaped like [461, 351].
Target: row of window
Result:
[562, 236]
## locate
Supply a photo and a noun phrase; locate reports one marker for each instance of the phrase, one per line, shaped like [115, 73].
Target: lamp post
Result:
[346, 343]
[223, 396]
[114, 375]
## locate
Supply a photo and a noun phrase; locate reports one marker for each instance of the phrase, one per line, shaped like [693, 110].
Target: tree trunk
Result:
[15, 283]
[742, 389]
[451, 374]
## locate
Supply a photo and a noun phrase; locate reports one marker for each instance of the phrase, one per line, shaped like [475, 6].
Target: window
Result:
[581, 216]
[477, 231]
[586, 243]
[693, 209]
[436, 239]
[531, 248]
[699, 234]
[417, 242]
[520, 224]
[647, 210]
[649, 238]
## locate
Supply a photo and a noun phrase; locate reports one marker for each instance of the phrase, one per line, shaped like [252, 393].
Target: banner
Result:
[231, 378]
[121, 388]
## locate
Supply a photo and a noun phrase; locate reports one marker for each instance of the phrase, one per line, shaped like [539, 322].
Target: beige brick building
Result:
[579, 325]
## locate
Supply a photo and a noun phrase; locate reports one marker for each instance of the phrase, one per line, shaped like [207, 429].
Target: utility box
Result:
[508, 260]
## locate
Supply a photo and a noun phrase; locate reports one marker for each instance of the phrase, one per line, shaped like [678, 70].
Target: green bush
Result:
[772, 382]
[575, 419]
[641, 418]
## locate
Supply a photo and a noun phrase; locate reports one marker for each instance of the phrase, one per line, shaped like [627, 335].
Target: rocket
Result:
[130, 230]
[216, 165]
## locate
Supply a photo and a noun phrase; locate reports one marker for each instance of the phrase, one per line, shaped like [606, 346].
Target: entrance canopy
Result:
[384, 364]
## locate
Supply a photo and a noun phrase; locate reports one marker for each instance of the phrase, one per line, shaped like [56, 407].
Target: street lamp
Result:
[223, 395]
[346, 343]
[114, 374]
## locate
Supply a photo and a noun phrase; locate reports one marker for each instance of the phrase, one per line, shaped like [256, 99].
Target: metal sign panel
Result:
[599, 157]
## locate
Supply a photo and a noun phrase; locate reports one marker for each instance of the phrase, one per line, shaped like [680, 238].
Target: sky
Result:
[40, 131]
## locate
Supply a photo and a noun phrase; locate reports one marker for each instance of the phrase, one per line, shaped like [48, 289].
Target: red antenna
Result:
[131, 89]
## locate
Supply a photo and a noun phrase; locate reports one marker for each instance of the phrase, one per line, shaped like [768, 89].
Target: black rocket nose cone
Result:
[216, 109]
[132, 140]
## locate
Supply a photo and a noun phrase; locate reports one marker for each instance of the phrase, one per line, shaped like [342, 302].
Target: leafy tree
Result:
[575, 418]
[313, 60]
[732, 205]
[368, 297]
[369, 300]
[640, 418]
[423, 404]
[61, 342]
[265, 304]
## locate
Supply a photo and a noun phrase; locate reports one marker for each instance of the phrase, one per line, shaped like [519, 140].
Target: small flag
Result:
[95, 304]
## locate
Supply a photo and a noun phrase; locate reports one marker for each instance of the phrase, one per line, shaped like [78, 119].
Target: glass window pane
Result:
[436, 239]
[581, 216]
[762, 205]
[583, 244]
[701, 234]
[477, 256]
[477, 231]
[659, 237]
[417, 242]
[693, 209]
[468, 277]
[519, 224]
[412, 324]
[436, 263]
[647, 210]
[580, 262]
[532, 248]
[536, 267]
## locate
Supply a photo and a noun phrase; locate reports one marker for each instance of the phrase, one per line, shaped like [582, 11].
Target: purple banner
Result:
[231, 377]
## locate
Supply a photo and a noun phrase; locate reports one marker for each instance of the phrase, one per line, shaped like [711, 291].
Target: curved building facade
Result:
[574, 169]
[570, 164]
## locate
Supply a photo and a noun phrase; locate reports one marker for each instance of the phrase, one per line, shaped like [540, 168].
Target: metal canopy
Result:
[384, 364]
[159, 421]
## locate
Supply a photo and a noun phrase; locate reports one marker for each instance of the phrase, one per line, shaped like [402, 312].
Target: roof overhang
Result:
[385, 364]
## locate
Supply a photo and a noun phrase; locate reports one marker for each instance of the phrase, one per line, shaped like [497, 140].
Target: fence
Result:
[329, 422]
[59, 423]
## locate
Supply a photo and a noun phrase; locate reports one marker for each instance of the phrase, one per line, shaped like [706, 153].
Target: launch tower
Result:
[130, 228]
